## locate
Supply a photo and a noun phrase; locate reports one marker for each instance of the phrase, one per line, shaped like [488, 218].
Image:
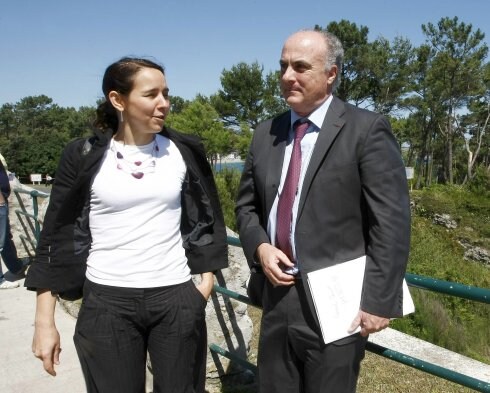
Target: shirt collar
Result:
[317, 116]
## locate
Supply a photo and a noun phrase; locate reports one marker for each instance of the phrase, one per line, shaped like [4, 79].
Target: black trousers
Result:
[292, 356]
[116, 327]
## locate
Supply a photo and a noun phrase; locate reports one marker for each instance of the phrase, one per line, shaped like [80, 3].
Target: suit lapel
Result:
[278, 141]
[332, 125]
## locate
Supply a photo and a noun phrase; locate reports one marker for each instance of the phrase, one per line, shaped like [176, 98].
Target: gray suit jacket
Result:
[354, 200]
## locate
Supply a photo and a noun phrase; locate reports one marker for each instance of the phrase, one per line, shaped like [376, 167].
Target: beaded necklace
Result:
[137, 168]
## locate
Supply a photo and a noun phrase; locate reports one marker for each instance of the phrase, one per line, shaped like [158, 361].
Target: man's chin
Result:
[295, 104]
[294, 99]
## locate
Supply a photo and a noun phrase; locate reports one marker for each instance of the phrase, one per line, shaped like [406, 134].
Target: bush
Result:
[227, 182]
[480, 183]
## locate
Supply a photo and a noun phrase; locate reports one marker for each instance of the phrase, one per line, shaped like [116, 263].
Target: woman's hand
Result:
[206, 285]
[46, 340]
[46, 347]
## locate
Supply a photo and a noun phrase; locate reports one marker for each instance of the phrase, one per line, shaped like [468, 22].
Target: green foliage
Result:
[34, 131]
[480, 183]
[457, 324]
[471, 210]
[354, 80]
[242, 141]
[227, 182]
[247, 96]
[374, 73]
[178, 104]
[454, 77]
[200, 118]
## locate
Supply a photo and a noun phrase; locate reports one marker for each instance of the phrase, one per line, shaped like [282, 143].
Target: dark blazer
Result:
[64, 244]
[354, 200]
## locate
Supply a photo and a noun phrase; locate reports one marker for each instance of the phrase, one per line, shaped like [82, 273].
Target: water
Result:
[229, 165]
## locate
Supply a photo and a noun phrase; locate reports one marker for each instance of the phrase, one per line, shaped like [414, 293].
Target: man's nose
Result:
[288, 74]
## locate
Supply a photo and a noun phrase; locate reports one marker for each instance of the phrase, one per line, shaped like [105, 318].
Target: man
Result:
[350, 199]
[7, 246]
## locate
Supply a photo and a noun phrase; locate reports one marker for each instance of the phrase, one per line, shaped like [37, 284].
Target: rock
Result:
[444, 220]
[478, 254]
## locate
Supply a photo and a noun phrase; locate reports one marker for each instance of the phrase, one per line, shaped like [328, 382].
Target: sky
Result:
[60, 48]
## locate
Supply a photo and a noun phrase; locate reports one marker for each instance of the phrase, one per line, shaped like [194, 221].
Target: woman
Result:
[134, 210]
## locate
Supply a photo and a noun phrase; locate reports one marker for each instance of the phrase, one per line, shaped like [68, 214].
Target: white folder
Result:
[336, 292]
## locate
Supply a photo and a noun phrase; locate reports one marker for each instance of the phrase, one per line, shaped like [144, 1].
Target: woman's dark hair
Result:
[119, 77]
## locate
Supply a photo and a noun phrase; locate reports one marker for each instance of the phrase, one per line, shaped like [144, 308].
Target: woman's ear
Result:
[116, 100]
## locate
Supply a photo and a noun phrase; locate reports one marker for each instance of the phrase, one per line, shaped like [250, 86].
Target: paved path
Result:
[20, 371]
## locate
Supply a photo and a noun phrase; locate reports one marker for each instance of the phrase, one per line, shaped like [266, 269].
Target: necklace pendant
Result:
[137, 168]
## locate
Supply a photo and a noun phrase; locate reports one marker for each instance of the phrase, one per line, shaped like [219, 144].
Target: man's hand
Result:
[369, 323]
[273, 262]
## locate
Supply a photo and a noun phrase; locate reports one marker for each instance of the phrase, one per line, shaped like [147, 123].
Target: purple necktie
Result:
[289, 190]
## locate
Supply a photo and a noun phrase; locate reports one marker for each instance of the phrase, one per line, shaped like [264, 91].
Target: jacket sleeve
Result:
[38, 275]
[249, 210]
[202, 226]
[384, 187]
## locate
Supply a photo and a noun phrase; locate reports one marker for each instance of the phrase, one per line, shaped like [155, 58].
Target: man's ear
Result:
[116, 100]
[331, 75]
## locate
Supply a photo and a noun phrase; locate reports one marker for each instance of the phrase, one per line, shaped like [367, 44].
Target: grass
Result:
[453, 323]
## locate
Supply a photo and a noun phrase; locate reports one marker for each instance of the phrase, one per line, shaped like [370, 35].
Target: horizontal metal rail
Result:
[427, 283]
[449, 288]
[32, 193]
[399, 357]
[438, 371]
[446, 287]
[227, 354]
[233, 295]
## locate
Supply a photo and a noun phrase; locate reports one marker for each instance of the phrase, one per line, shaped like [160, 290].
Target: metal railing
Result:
[427, 283]
[29, 220]
[32, 228]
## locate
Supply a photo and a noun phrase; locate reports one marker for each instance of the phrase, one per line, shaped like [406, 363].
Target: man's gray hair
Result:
[335, 54]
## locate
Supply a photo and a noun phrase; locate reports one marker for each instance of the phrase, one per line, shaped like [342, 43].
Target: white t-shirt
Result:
[135, 222]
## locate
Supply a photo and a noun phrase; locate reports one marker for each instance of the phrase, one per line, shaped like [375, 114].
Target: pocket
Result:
[255, 288]
[95, 321]
[198, 292]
